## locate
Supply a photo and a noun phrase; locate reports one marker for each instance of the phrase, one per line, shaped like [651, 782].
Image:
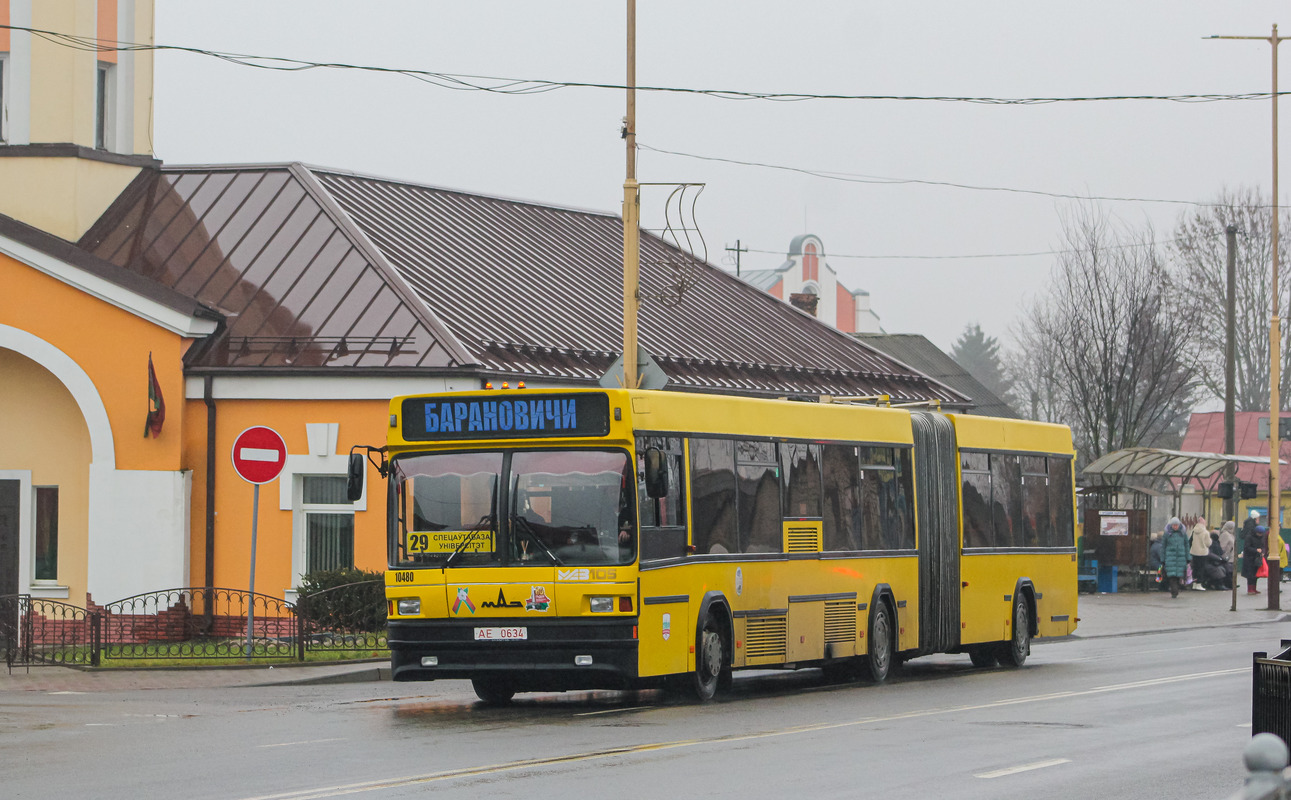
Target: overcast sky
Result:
[563, 147]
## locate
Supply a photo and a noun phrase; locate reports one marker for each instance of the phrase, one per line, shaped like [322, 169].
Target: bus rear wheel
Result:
[493, 691]
[710, 662]
[878, 663]
[1015, 651]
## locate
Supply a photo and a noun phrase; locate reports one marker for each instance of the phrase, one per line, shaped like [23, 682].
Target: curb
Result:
[371, 674]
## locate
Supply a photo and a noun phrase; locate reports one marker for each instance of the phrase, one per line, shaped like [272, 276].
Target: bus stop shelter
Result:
[1174, 467]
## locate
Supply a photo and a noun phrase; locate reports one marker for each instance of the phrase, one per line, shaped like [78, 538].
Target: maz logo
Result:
[585, 574]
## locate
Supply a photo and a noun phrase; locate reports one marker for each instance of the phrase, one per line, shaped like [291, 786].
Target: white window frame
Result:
[107, 102]
[6, 67]
[322, 461]
[49, 590]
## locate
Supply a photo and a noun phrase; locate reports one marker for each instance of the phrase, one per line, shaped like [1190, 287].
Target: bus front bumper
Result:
[570, 653]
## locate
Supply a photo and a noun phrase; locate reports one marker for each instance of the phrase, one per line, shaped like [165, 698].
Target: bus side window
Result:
[976, 497]
[1060, 501]
[842, 494]
[663, 531]
[1006, 499]
[758, 473]
[1036, 525]
[712, 492]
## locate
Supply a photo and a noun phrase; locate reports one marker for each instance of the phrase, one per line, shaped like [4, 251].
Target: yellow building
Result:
[298, 298]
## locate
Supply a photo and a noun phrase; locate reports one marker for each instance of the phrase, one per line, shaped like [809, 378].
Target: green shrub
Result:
[343, 600]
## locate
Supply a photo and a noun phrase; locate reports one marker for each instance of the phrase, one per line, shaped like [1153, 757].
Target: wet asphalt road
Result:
[1156, 716]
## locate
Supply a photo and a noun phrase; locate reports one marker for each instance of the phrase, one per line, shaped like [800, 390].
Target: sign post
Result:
[259, 454]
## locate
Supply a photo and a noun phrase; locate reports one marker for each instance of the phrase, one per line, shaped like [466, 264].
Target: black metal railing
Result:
[348, 618]
[1271, 693]
[192, 623]
[38, 631]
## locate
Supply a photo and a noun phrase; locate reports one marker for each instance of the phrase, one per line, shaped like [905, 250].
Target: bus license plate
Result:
[500, 634]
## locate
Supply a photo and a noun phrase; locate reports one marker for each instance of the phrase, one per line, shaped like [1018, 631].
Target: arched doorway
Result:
[44, 482]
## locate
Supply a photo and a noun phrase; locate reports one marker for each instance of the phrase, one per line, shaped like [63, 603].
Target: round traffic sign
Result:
[259, 454]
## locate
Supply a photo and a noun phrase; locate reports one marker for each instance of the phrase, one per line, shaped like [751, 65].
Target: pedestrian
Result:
[1252, 519]
[1175, 555]
[1198, 547]
[1156, 555]
[1253, 557]
[1216, 572]
[1227, 540]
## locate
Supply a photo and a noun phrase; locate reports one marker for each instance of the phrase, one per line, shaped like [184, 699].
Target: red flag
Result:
[156, 404]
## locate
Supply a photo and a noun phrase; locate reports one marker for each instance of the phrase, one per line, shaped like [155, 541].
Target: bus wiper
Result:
[519, 523]
[466, 541]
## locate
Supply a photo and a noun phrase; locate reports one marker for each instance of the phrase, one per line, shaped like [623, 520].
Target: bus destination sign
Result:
[505, 417]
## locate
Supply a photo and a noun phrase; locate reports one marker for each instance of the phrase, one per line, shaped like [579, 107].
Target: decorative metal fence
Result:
[348, 618]
[192, 623]
[37, 631]
[200, 623]
[1271, 693]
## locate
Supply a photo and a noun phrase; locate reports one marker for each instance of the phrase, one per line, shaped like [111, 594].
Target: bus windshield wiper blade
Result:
[470, 537]
[521, 524]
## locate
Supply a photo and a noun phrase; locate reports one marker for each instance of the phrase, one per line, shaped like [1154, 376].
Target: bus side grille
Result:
[840, 621]
[802, 539]
[765, 637]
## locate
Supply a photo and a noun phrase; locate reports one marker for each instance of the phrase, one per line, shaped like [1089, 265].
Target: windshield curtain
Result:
[560, 507]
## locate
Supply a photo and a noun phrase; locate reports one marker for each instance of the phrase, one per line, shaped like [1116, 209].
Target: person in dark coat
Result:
[1156, 555]
[1216, 572]
[1253, 557]
[1175, 554]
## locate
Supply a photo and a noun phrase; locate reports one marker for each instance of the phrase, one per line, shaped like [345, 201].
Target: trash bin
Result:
[1107, 579]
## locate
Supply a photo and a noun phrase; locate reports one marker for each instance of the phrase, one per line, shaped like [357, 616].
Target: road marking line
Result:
[67, 693]
[307, 741]
[1000, 773]
[610, 711]
[322, 792]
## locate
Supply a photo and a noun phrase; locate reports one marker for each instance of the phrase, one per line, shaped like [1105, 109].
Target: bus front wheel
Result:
[710, 661]
[1015, 651]
[493, 691]
[878, 662]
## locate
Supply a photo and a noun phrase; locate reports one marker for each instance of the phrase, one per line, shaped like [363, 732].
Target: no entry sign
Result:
[259, 454]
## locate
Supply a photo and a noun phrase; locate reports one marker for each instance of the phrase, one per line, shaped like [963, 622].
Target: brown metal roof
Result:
[297, 285]
[320, 268]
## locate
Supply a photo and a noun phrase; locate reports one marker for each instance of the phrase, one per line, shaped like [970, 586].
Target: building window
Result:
[810, 264]
[4, 97]
[46, 533]
[104, 96]
[328, 523]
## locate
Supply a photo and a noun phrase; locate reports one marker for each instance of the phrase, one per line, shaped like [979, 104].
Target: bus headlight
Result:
[409, 605]
[601, 605]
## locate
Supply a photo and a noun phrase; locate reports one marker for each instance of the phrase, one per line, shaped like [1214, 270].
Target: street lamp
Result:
[1275, 356]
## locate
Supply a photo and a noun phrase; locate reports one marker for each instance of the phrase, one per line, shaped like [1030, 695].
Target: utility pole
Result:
[737, 250]
[1230, 469]
[631, 214]
[1275, 358]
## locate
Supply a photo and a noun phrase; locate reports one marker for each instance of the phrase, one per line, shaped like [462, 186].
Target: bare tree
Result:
[1200, 255]
[1109, 348]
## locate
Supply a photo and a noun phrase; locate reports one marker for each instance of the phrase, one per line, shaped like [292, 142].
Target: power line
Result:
[846, 177]
[1156, 243]
[502, 85]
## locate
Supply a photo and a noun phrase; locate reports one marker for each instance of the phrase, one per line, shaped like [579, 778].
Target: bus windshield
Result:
[513, 508]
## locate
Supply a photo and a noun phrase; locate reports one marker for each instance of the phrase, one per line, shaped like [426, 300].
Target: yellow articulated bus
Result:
[546, 540]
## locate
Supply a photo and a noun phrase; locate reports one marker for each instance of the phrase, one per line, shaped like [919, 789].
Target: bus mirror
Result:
[656, 473]
[354, 477]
